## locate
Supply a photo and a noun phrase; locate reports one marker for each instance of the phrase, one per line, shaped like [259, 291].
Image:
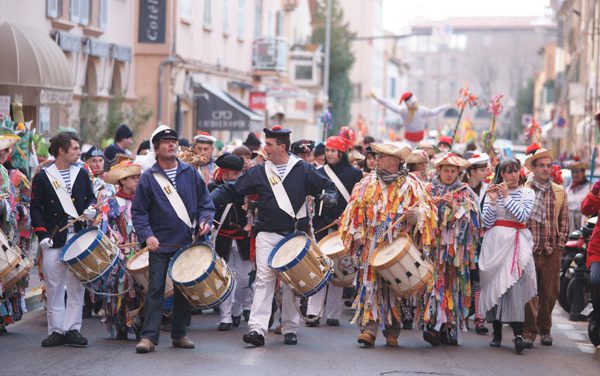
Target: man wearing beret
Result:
[171, 207]
[276, 219]
[230, 239]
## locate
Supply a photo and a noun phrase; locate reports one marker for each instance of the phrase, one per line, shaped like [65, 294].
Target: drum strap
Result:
[215, 232]
[338, 183]
[281, 196]
[61, 190]
[174, 199]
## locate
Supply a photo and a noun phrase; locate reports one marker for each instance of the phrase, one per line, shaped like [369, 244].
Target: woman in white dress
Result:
[506, 265]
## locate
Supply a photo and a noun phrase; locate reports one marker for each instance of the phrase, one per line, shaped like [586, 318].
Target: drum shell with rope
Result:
[201, 275]
[301, 264]
[344, 265]
[138, 267]
[20, 271]
[402, 266]
[10, 256]
[90, 255]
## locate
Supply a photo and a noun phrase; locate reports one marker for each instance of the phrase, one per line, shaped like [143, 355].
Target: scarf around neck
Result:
[440, 189]
[537, 213]
[388, 177]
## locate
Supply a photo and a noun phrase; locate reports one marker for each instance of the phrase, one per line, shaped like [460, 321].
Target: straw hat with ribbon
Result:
[121, 171]
[8, 138]
[418, 156]
[395, 149]
[450, 159]
[535, 152]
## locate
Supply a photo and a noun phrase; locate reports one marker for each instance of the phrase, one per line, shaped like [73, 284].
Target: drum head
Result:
[78, 245]
[288, 251]
[388, 252]
[331, 244]
[139, 261]
[192, 263]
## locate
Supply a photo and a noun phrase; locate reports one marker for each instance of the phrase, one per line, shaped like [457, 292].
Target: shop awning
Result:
[30, 58]
[217, 110]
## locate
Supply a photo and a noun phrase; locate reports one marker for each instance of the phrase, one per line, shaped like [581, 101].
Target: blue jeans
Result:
[595, 274]
[159, 264]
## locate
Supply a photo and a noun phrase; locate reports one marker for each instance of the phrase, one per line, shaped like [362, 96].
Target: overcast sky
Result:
[399, 13]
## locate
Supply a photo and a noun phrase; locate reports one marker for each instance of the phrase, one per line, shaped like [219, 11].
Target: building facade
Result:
[96, 38]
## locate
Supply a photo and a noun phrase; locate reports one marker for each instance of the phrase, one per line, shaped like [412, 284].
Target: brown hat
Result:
[355, 155]
[535, 155]
[121, 171]
[418, 156]
[450, 159]
[430, 148]
[395, 149]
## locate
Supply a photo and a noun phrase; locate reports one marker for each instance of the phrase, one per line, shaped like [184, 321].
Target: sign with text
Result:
[152, 21]
[258, 100]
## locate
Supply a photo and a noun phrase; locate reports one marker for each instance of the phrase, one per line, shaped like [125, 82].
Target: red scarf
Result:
[124, 195]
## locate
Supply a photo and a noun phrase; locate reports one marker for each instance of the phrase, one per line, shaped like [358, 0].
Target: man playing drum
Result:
[61, 192]
[170, 209]
[344, 176]
[446, 303]
[387, 202]
[283, 183]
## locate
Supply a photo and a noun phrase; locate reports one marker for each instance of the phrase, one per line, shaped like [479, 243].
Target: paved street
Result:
[321, 351]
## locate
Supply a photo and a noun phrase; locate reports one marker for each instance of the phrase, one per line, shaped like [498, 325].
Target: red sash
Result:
[414, 136]
[517, 226]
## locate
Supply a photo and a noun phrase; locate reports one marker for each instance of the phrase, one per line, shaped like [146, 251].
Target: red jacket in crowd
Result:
[591, 207]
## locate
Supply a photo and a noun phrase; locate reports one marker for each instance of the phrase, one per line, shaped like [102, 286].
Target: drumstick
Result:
[326, 227]
[321, 204]
[97, 206]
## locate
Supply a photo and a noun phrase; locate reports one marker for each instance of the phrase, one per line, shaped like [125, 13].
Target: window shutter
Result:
[84, 12]
[103, 14]
[52, 8]
[74, 10]
[241, 17]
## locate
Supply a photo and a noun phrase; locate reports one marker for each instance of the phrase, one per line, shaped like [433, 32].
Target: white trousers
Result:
[333, 306]
[234, 304]
[264, 288]
[58, 278]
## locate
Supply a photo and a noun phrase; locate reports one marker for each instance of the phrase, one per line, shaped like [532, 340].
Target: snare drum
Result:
[300, 264]
[402, 266]
[201, 276]
[90, 255]
[20, 271]
[10, 255]
[344, 266]
[138, 266]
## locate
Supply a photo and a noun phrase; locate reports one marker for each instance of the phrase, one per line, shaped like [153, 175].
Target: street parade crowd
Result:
[277, 233]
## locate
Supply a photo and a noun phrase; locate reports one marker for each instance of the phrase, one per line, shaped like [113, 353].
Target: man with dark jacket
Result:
[230, 239]
[164, 227]
[61, 192]
[298, 179]
[344, 177]
[123, 140]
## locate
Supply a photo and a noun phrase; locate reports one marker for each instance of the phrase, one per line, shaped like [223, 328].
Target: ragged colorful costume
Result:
[16, 225]
[123, 298]
[448, 296]
[369, 220]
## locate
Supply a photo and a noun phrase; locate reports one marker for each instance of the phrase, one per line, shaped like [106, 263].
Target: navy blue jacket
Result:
[349, 176]
[234, 222]
[303, 180]
[153, 214]
[47, 214]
